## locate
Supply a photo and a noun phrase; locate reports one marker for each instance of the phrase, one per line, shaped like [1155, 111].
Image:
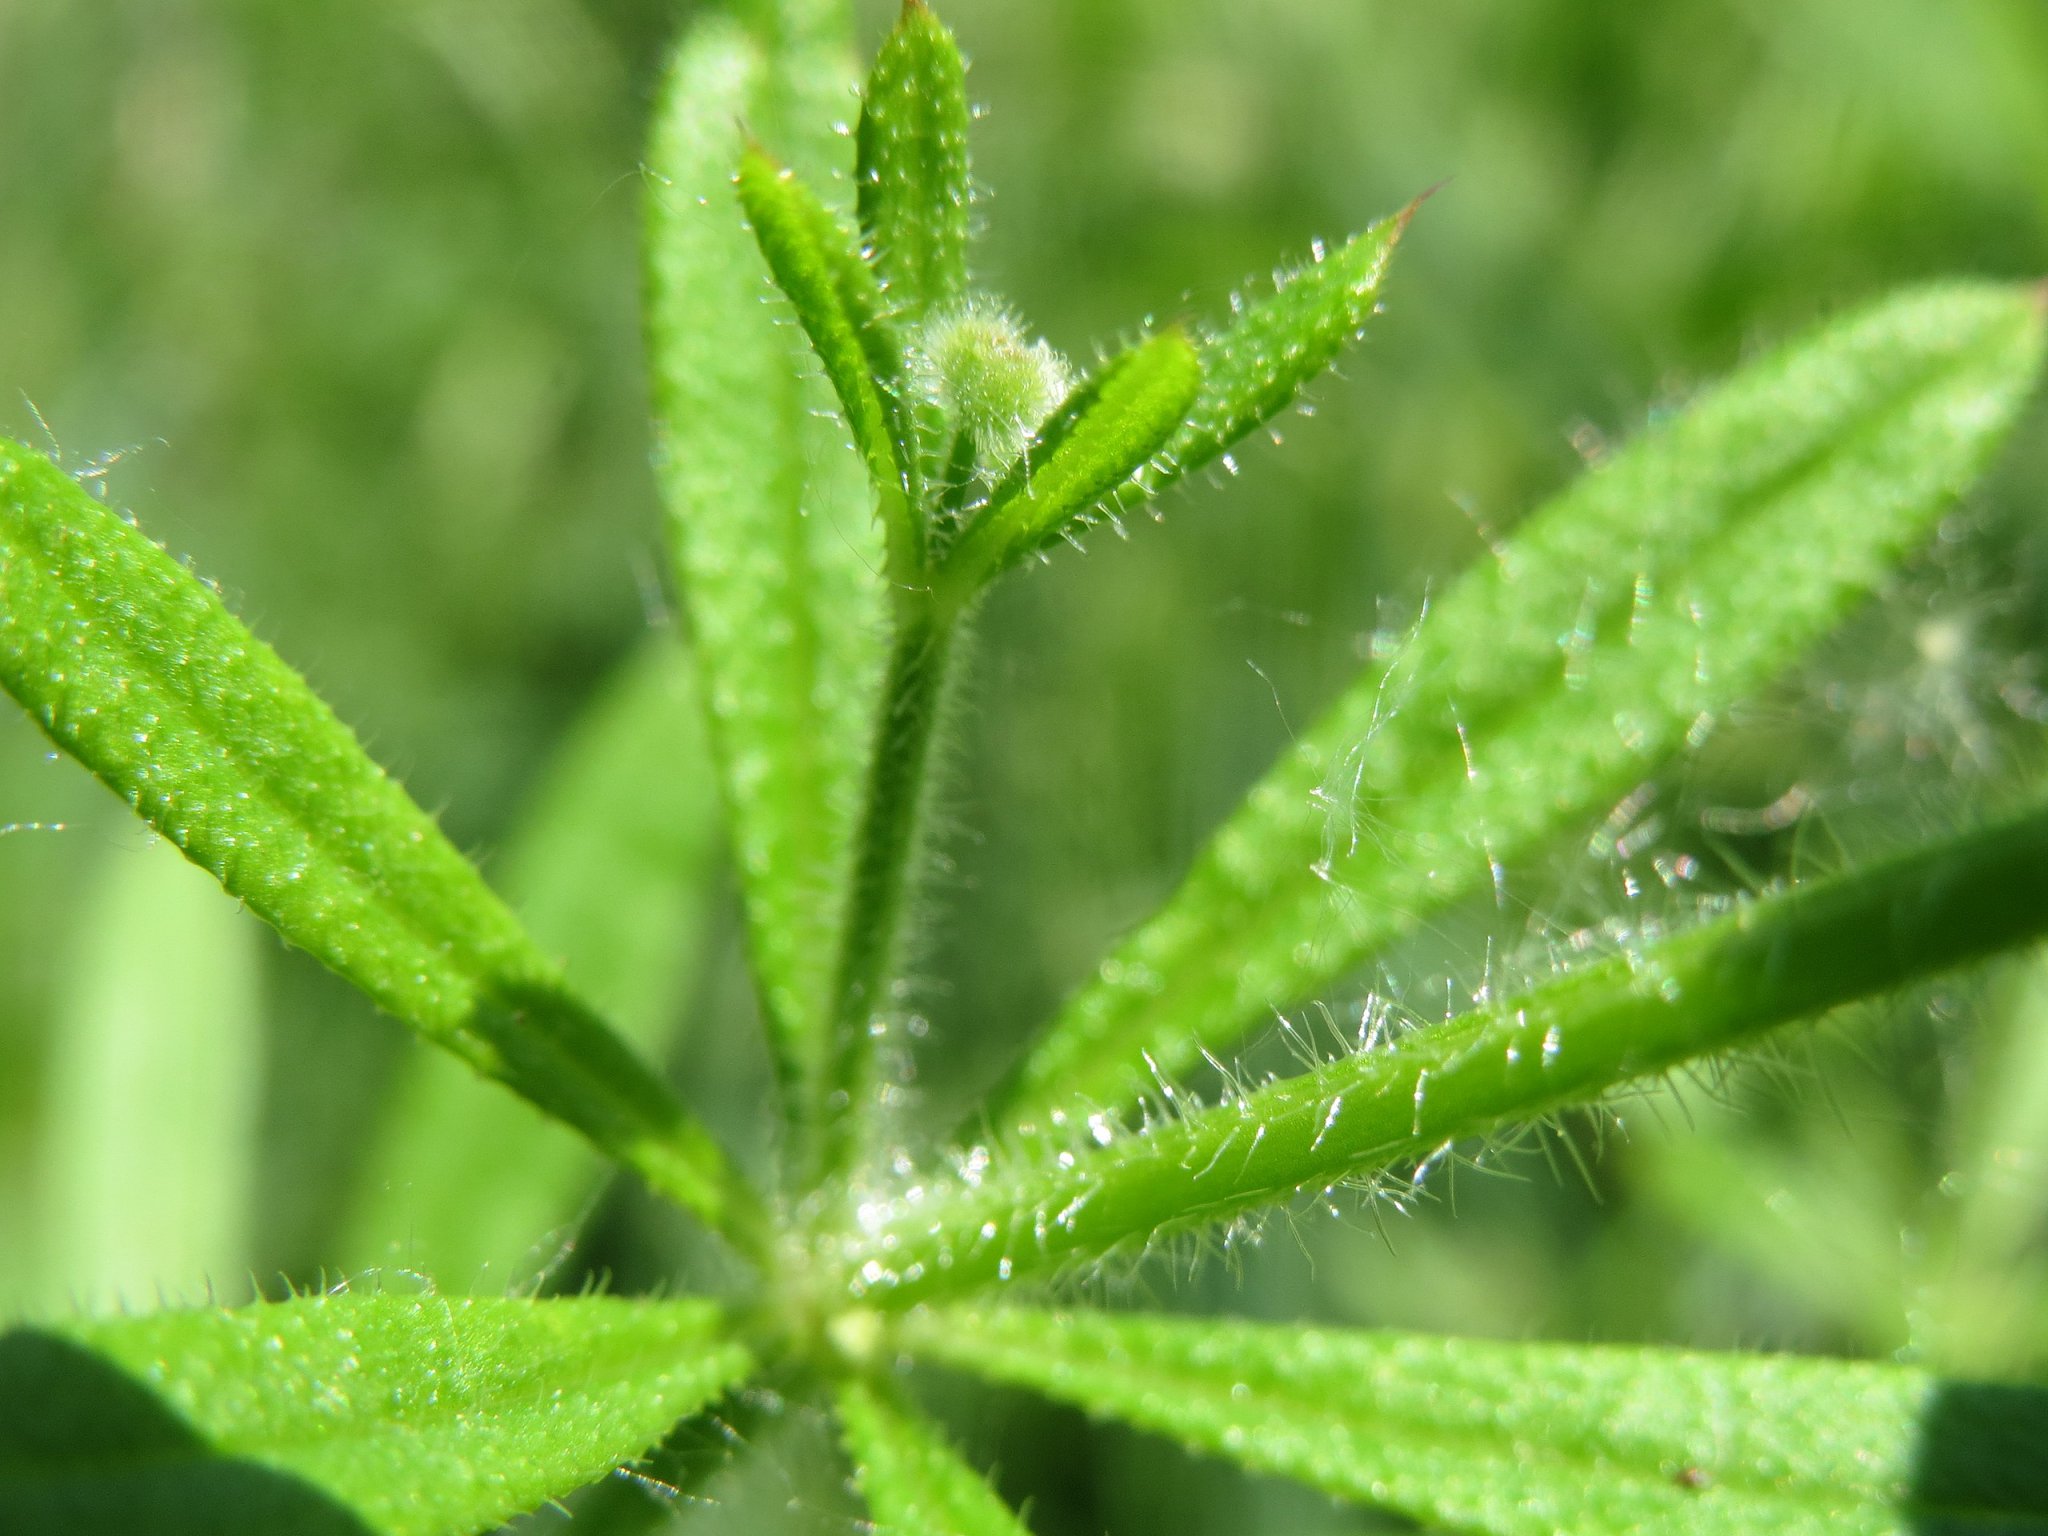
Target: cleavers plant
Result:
[830, 587]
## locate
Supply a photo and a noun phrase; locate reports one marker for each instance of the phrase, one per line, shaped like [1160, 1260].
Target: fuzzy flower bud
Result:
[989, 380]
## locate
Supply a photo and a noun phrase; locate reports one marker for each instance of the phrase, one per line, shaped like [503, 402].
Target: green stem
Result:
[958, 478]
[1632, 1015]
[883, 856]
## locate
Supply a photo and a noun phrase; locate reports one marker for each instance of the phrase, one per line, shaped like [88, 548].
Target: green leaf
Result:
[1102, 437]
[1821, 1229]
[694, 1466]
[1658, 591]
[1532, 1439]
[839, 305]
[1815, 1211]
[1258, 366]
[612, 869]
[914, 1482]
[155, 1072]
[912, 170]
[1983, 1269]
[850, 1114]
[1097, 1189]
[2000, 1134]
[134, 666]
[410, 1416]
[778, 557]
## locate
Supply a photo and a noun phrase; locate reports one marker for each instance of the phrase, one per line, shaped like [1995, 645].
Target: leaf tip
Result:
[755, 160]
[1402, 219]
[1177, 339]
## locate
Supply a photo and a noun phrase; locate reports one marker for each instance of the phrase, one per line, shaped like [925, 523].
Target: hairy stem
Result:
[884, 852]
[1101, 1189]
[957, 479]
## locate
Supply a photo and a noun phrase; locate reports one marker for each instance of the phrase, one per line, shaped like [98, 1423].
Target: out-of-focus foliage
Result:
[350, 289]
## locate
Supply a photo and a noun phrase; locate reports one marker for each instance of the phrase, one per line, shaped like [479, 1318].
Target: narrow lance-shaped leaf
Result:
[1100, 1189]
[149, 1146]
[1257, 367]
[915, 1483]
[612, 868]
[1106, 433]
[343, 1415]
[1531, 1439]
[1538, 689]
[134, 666]
[839, 305]
[778, 553]
[680, 1474]
[913, 177]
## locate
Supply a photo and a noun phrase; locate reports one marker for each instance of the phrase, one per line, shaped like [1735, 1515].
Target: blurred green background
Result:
[340, 300]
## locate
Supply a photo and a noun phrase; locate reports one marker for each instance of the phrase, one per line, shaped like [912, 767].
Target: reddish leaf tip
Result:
[1401, 219]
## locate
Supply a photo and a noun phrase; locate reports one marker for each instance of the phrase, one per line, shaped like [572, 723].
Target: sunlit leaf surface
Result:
[402, 1416]
[1659, 590]
[778, 553]
[1532, 1439]
[914, 192]
[133, 665]
[1405, 1101]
